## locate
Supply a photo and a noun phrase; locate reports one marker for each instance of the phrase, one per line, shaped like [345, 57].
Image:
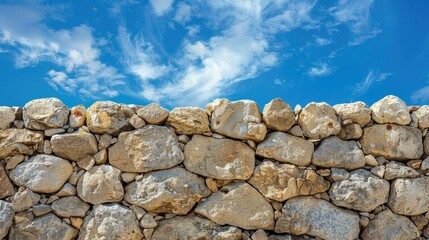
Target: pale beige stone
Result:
[188, 120]
[77, 116]
[67, 190]
[318, 120]
[76, 222]
[422, 115]
[426, 144]
[7, 116]
[409, 196]
[6, 187]
[278, 115]
[101, 157]
[137, 122]
[370, 161]
[74, 146]
[153, 114]
[70, 207]
[358, 112]
[147, 221]
[19, 141]
[44, 113]
[350, 131]
[399, 170]
[391, 109]
[108, 117]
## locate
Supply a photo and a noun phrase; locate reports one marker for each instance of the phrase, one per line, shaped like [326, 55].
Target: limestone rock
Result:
[192, 227]
[188, 120]
[153, 114]
[350, 131]
[391, 109]
[147, 149]
[358, 112]
[6, 218]
[240, 119]
[392, 141]
[173, 190]
[108, 117]
[423, 116]
[289, 237]
[426, 144]
[339, 174]
[362, 191]
[409, 196]
[77, 116]
[101, 184]
[399, 170]
[319, 218]
[278, 115]
[19, 141]
[334, 152]
[318, 120]
[389, 226]
[238, 204]
[7, 116]
[219, 158]
[44, 113]
[42, 173]
[286, 148]
[74, 146]
[6, 188]
[283, 181]
[70, 207]
[24, 200]
[137, 122]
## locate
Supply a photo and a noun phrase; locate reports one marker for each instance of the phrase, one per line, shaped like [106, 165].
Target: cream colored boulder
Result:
[409, 196]
[7, 116]
[74, 146]
[44, 113]
[278, 115]
[153, 114]
[188, 120]
[108, 117]
[358, 112]
[318, 120]
[350, 131]
[391, 109]
[77, 116]
[399, 170]
[422, 115]
[19, 141]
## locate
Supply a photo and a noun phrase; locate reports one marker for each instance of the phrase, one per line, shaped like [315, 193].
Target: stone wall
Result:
[116, 171]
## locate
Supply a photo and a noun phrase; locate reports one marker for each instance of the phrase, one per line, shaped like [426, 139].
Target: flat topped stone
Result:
[108, 117]
[19, 141]
[71, 206]
[318, 120]
[153, 114]
[391, 109]
[44, 113]
[278, 115]
[358, 112]
[74, 146]
[188, 120]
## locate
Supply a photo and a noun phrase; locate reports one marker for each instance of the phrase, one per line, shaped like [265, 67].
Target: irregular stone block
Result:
[108, 117]
[423, 116]
[6, 188]
[44, 113]
[74, 146]
[6, 218]
[391, 109]
[77, 116]
[7, 116]
[358, 112]
[19, 141]
[278, 115]
[318, 120]
[188, 120]
[70, 207]
[153, 114]
[399, 170]
[409, 196]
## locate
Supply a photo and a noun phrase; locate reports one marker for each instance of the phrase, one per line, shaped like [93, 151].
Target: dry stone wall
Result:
[116, 171]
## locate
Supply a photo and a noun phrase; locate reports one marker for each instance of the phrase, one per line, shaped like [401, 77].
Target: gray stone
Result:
[318, 120]
[350, 131]
[188, 120]
[391, 109]
[338, 174]
[44, 113]
[409, 196]
[153, 114]
[399, 170]
[358, 112]
[19, 141]
[278, 115]
[147, 221]
[24, 200]
[426, 144]
[41, 209]
[74, 146]
[7, 116]
[70, 207]
[6, 218]
[108, 117]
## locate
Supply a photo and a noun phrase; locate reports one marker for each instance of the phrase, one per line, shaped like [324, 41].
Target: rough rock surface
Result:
[238, 204]
[44, 113]
[24, 200]
[153, 114]
[6, 218]
[108, 117]
[350, 131]
[219, 158]
[318, 120]
[77, 116]
[422, 115]
[409, 196]
[392, 141]
[173, 190]
[426, 144]
[283, 181]
[70, 207]
[110, 221]
[334, 152]
[6, 188]
[399, 170]
[147, 149]
[362, 191]
[278, 115]
[389, 226]
[42, 173]
[101, 184]
[74, 146]
[319, 218]
[18, 141]
[286, 148]
[7, 116]
[240, 119]
[391, 109]
[358, 112]
[188, 120]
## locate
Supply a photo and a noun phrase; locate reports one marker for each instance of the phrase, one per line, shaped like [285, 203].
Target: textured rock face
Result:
[167, 191]
[392, 141]
[74, 146]
[350, 131]
[240, 119]
[153, 114]
[7, 116]
[318, 120]
[358, 112]
[18, 141]
[147, 149]
[409, 196]
[334, 152]
[41, 114]
[6, 218]
[188, 120]
[283, 181]
[70, 207]
[422, 115]
[108, 117]
[192, 227]
[362, 191]
[319, 218]
[399, 170]
[278, 115]
[77, 116]
[426, 144]
[6, 189]
[42, 173]
[110, 221]
[219, 158]
[389, 226]
[286, 148]
[238, 204]
[391, 109]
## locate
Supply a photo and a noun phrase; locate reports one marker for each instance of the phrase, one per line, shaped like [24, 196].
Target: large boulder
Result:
[44, 113]
[219, 158]
[6, 218]
[391, 109]
[147, 149]
[19, 141]
[318, 120]
[409, 196]
[74, 146]
[7, 116]
[358, 112]
[278, 115]
[108, 117]
[188, 120]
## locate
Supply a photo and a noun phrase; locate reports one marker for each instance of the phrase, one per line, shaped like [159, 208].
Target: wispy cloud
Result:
[322, 41]
[161, 7]
[321, 69]
[421, 95]
[371, 78]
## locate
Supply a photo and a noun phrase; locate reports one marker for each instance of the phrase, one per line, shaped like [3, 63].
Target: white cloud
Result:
[322, 41]
[363, 38]
[372, 77]
[183, 13]
[161, 7]
[421, 95]
[321, 69]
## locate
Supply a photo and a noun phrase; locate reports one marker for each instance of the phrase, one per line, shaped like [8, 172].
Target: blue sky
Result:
[190, 52]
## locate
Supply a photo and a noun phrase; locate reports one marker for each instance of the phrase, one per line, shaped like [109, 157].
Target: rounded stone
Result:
[278, 115]
[318, 120]
[108, 117]
[44, 113]
[153, 114]
[74, 146]
[7, 116]
[409, 196]
[391, 109]
[358, 112]
[19, 141]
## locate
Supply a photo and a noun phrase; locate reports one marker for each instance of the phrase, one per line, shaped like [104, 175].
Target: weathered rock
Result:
[426, 144]
[238, 204]
[24, 200]
[392, 141]
[6, 218]
[153, 114]
[286, 148]
[283, 181]
[423, 116]
[108, 117]
[399, 170]
[188, 120]
[147, 221]
[47, 226]
[74, 146]
[319, 218]
[41, 209]
[358, 112]
[173, 190]
[44, 113]
[77, 116]
[101, 184]
[289, 237]
[42, 173]
[19, 141]
[192, 227]
[362, 191]
[7, 116]
[339, 174]
[6, 188]
[318, 120]
[67, 190]
[219, 158]
[389, 226]
[391, 109]
[334, 152]
[137, 122]
[278, 115]
[240, 119]
[409, 196]
[110, 221]
[350, 131]
[70, 207]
